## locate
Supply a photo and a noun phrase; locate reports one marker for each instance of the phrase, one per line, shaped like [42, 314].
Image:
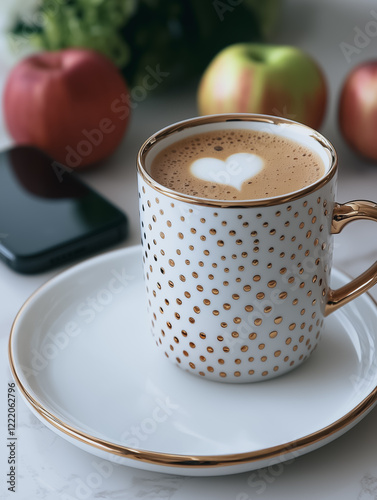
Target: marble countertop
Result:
[49, 467]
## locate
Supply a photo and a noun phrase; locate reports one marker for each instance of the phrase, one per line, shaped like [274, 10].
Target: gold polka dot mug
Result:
[237, 291]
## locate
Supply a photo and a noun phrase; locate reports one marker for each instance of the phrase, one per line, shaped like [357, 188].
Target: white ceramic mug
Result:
[238, 290]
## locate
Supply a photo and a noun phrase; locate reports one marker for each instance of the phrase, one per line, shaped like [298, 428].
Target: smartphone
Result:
[48, 216]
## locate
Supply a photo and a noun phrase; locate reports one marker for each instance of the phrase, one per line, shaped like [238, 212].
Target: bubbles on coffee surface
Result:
[217, 164]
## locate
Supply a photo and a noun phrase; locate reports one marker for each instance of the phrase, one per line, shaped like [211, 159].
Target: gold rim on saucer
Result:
[176, 460]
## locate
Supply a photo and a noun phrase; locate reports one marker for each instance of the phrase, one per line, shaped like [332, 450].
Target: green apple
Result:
[266, 79]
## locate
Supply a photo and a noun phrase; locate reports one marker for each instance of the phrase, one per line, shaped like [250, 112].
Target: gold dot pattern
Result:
[226, 285]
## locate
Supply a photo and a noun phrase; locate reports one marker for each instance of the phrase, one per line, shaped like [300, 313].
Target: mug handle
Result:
[342, 215]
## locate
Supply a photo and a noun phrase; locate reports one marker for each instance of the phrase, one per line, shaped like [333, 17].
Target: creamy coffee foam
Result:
[237, 164]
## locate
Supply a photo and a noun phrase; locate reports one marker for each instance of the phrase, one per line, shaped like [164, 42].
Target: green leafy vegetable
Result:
[180, 36]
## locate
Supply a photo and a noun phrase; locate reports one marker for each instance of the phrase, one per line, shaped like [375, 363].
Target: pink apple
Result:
[358, 109]
[67, 104]
[267, 79]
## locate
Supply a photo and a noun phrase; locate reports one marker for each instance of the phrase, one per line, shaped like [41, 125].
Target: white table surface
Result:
[50, 468]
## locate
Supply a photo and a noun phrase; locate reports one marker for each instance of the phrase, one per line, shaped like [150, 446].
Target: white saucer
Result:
[85, 363]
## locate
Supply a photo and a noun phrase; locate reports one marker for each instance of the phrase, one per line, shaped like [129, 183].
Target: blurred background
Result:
[182, 38]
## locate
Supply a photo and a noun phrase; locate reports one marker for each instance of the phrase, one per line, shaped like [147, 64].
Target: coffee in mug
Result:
[238, 276]
[238, 164]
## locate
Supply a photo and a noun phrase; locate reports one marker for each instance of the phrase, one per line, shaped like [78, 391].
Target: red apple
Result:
[267, 79]
[358, 109]
[67, 104]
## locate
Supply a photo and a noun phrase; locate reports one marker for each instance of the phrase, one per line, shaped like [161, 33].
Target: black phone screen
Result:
[48, 215]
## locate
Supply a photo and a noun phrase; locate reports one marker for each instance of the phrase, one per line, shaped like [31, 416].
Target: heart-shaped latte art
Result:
[234, 171]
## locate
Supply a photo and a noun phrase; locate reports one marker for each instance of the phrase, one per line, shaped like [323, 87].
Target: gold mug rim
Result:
[236, 117]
